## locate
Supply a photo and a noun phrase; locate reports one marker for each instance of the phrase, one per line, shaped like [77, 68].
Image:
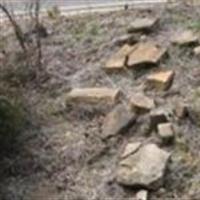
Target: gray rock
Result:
[166, 132]
[142, 195]
[118, 121]
[145, 168]
[185, 38]
[142, 24]
[197, 51]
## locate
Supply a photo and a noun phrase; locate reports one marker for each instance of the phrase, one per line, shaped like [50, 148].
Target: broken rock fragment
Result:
[145, 168]
[118, 121]
[145, 53]
[119, 59]
[140, 103]
[160, 80]
[185, 38]
[142, 24]
[166, 132]
[93, 95]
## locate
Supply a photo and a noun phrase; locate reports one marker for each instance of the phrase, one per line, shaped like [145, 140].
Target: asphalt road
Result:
[22, 4]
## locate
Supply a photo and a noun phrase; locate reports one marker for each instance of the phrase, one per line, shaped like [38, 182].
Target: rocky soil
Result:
[117, 116]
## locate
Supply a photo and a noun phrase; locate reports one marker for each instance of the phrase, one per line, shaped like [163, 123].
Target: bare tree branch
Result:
[17, 29]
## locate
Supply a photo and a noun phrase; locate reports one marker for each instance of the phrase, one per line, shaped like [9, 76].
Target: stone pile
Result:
[142, 165]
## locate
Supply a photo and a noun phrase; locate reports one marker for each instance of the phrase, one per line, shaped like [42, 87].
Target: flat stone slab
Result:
[142, 24]
[91, 95]
[161, 80]
[146, 168]
[117, 121]
[140, 103]
[185, 38]
[145, 53]
[119, 59]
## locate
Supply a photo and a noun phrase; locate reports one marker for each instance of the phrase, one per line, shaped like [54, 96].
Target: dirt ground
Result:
[61, 155]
